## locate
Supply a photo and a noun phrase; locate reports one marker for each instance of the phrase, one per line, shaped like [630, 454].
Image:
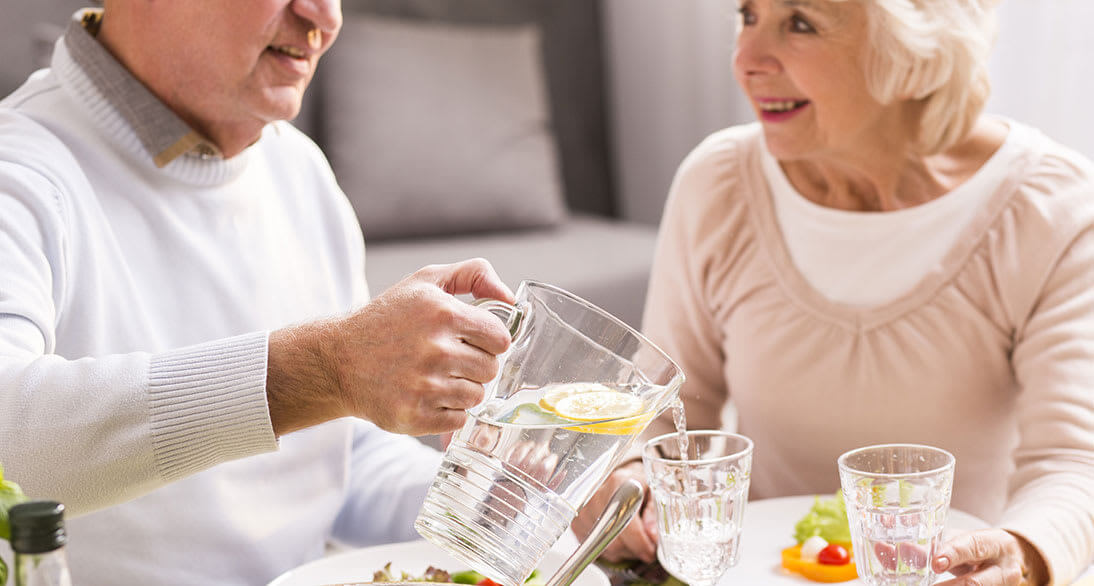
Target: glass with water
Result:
[699, 482]
[897, 497]
[574, 390]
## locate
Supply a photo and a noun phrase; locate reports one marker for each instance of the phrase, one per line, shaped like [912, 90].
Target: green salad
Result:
[827, 518]
[433, 574]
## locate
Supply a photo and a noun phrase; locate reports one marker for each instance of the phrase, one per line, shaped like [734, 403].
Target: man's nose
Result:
[325, 14]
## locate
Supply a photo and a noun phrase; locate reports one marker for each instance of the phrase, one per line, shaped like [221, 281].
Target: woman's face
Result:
[800, 62]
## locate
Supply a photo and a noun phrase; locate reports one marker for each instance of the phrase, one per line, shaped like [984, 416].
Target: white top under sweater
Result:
[135, 306]
[865, 259]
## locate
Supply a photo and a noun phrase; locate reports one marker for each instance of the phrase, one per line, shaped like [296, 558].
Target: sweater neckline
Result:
[189, 169]
[864, 318]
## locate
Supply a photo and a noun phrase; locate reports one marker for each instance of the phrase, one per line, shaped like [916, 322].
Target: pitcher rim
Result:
[601, 311]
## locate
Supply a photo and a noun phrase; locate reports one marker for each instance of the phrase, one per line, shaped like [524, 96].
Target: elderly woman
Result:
[877, 261]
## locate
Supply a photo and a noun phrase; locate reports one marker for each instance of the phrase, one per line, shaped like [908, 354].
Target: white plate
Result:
[412, 557]
[769, 528]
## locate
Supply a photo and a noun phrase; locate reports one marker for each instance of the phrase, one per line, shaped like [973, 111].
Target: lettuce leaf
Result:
[10, 495]
[827, 518]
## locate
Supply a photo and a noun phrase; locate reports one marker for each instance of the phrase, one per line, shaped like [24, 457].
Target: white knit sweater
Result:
[135, 305]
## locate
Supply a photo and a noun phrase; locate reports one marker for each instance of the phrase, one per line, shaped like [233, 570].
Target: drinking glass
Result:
[897, 498]
[513, 478]
[699, 482]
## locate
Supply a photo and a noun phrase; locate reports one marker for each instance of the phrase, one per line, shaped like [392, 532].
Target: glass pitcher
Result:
[574, 390]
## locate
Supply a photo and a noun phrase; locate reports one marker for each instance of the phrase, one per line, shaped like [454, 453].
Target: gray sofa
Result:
[460, 128]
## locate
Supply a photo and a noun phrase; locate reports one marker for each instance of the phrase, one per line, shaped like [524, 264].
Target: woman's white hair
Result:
[935, 51]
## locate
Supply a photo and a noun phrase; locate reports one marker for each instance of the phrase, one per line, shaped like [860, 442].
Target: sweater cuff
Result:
[1050, 541]
[208, 404]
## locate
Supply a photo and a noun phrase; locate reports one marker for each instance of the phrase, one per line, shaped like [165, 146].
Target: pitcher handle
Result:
[511, 315]
[622, 507]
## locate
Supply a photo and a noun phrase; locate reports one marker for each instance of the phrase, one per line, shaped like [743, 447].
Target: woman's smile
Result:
[779, 109]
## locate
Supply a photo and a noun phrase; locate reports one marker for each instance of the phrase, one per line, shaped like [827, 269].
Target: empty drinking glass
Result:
[700, 498]
[897, 498]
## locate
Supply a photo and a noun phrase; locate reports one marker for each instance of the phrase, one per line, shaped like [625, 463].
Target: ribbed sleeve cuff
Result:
[1044, 543]
[1056, 535]
[208, 404]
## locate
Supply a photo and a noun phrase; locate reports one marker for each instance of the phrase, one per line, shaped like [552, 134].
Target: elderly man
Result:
[183, 286]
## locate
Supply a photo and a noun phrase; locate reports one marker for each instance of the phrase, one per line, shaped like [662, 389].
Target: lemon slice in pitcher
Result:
[554, 393]
[532, 414]
[627, 411]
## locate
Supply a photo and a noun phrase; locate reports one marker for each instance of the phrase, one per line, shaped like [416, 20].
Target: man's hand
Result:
[639, 538]
[990, 557]
[410, 361]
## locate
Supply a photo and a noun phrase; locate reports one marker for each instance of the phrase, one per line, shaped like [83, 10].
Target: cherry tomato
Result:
[487, 582]
[833, 555]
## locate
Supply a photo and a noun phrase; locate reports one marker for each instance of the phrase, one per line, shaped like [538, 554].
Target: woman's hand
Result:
[638, 540]
[990, 557]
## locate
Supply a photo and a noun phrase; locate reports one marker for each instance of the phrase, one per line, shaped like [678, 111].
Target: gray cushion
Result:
[573, 52]
[436, 128]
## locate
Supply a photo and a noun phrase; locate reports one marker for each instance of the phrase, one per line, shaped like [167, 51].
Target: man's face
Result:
[236, 64]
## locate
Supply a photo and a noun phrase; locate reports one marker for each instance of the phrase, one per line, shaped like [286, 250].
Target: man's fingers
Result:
[440, 421]
[450, 420]
[475, 276]
[461, 394]
[518, 455]
[473, 365]
[484, 331]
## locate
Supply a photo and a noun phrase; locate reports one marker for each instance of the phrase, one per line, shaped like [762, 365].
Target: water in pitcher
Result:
[522, 466]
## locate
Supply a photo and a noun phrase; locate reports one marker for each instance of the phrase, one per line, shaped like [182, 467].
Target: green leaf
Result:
[467, 577]
[535, 579]
[10, 495]
[827, 518]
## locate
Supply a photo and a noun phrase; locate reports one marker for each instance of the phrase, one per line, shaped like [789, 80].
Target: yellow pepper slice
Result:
[817, 572]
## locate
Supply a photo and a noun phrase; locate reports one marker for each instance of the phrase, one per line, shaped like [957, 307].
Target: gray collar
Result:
[162, 132]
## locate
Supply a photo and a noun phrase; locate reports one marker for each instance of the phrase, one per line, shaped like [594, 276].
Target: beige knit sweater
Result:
[990, 356]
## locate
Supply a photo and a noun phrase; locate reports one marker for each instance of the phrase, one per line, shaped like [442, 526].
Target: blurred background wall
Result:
[669, 63]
